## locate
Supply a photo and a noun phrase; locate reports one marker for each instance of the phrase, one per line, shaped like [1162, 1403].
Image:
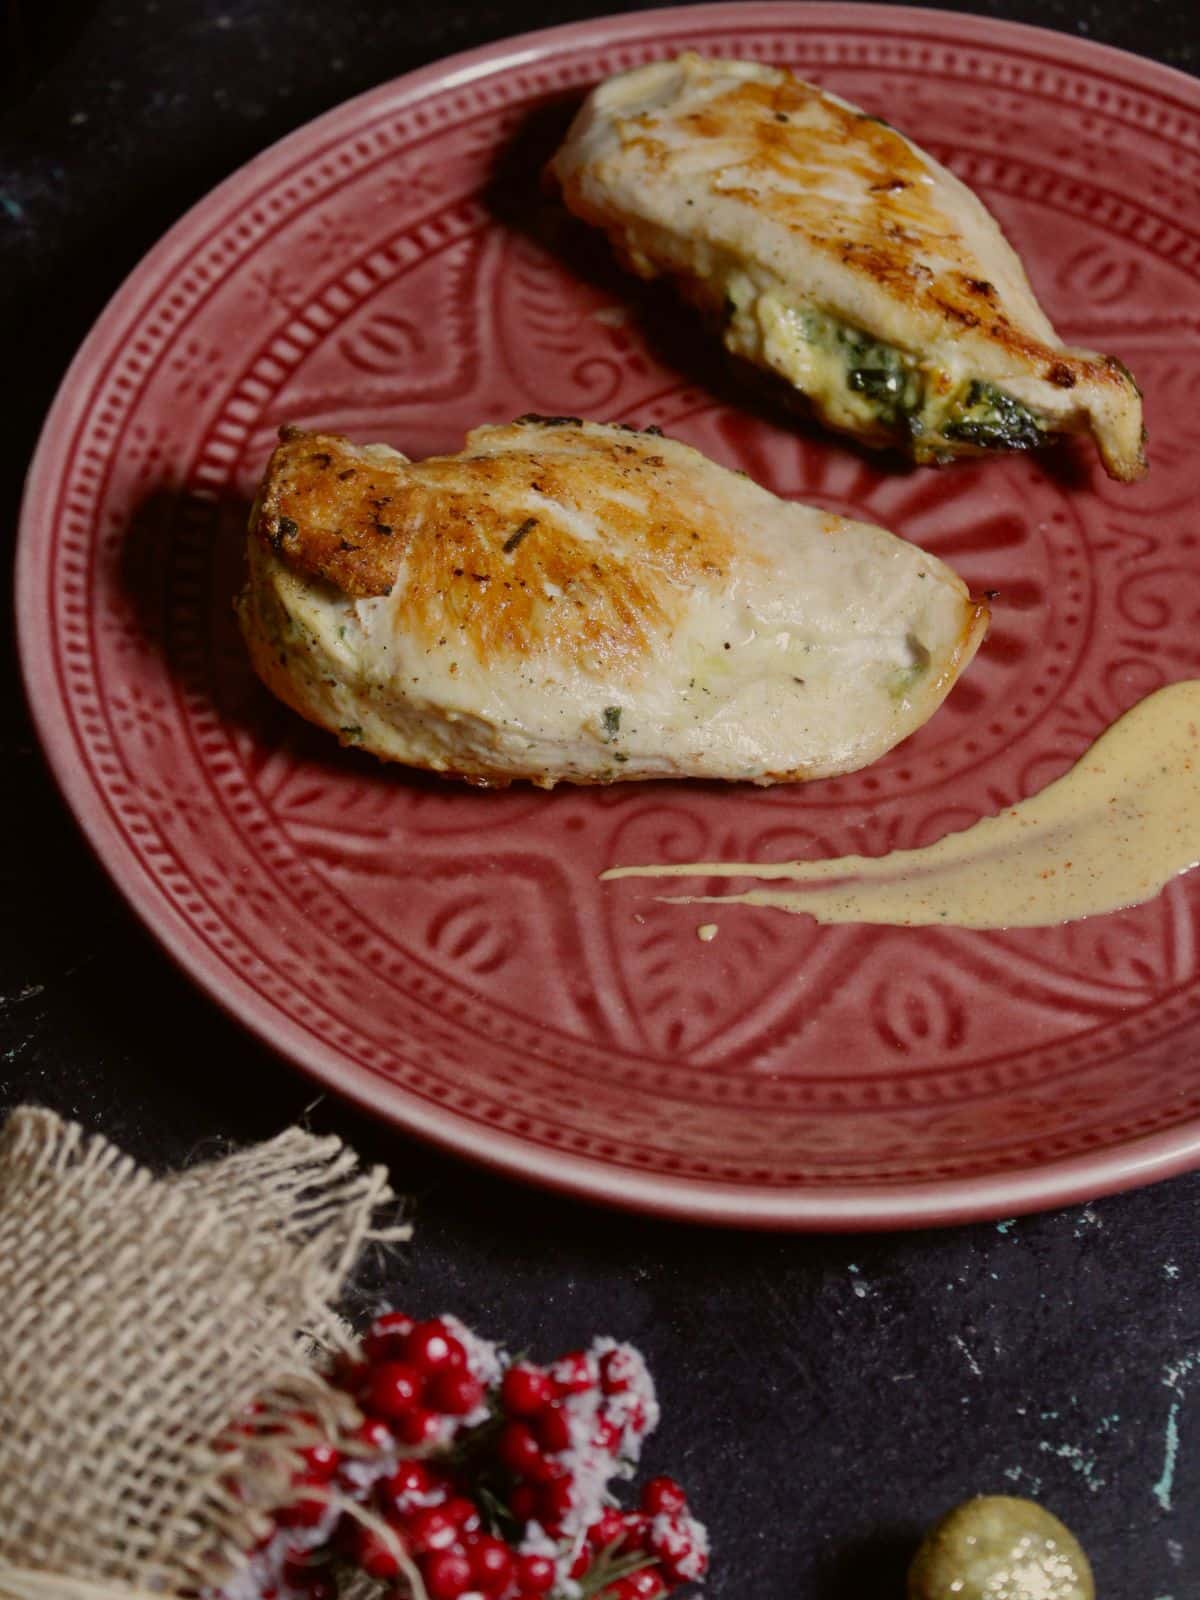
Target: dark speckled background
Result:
[824, 1397]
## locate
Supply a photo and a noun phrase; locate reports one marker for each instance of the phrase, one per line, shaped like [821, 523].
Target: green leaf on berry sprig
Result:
[496, 1512]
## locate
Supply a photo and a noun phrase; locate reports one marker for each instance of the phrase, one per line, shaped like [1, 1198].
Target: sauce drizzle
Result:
[1110, 833]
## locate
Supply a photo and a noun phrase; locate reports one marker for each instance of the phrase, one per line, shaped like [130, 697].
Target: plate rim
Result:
[840, 1208]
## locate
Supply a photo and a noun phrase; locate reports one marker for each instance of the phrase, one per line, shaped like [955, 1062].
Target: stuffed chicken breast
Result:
[838, 255]
[566, 601]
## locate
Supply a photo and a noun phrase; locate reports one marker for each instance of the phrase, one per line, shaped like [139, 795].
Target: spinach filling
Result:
[993, 420]
[984, 416]
[916, 406]
[880, 372]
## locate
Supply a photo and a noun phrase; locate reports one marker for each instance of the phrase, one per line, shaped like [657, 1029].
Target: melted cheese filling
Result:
[865, 386]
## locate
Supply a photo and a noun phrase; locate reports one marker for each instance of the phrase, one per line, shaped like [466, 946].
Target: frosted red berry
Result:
[320, 1462]
[555, 1501]
[454, 1392]
[525, 1390]
[642, 1585]
[375, 1434]
[431, 1346]
[375, 1557]
[581, 1563]
[522, 1502]
[678, 1543]
[608, 1529]
[682, 1562]
[518, 1449]
[409, 1478]
[491, 1564]
[535, 1573]
[663, 1496]
[447, 1574]
[552, 1429]
[635, 1417]
[463, 1513]
[648, 1582]
[431, 1529]
[607, 1436]
[392, 1389]
[420, 1427]
[637, 1526]
[616, 1371]
[385, 1341]
[573, 1373]
[305, 1512]
[411, 1483]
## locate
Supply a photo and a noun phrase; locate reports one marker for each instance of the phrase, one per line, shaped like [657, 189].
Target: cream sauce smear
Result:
[1110, 833]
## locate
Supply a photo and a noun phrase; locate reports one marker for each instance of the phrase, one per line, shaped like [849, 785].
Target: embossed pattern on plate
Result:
[448, 957]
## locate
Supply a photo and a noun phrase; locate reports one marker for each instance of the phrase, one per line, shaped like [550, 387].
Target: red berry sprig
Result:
[475, 1478]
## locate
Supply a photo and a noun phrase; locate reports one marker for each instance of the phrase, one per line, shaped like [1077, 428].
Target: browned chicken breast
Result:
[837, 254]
[566, 601]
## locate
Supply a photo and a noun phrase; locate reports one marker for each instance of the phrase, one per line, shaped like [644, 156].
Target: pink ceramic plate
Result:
[448, 957]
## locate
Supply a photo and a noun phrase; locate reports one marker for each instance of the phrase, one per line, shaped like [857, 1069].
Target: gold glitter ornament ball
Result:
[999, 1548]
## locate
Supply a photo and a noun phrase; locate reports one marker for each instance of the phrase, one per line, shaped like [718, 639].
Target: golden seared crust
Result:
[569, 601]
[766, 198]
[500, 542]
[332, 513]
[790, 134]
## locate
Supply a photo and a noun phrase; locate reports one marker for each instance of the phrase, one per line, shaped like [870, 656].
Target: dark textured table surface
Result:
[825, 1397]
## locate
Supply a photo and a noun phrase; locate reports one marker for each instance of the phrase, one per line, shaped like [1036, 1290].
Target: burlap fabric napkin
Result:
[138, 1316]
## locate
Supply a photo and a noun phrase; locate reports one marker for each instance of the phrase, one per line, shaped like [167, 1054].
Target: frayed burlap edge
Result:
[141, 1315]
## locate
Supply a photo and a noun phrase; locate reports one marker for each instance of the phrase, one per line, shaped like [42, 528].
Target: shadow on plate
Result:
[181, 564]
